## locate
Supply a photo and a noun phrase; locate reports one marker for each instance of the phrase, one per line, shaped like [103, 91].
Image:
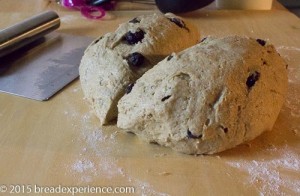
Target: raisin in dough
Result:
[117, 59]
[208, 98]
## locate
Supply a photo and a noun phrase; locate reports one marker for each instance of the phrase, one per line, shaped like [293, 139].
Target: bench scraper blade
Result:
[43, 67]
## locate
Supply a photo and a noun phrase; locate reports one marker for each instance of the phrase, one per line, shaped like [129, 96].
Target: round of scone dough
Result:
[115, 60]
[208, 98]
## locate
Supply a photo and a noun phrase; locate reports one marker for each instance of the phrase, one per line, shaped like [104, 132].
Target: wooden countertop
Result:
[60, 142]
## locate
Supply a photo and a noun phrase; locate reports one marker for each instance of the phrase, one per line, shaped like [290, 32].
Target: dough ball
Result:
[208, 98]
[115, 60]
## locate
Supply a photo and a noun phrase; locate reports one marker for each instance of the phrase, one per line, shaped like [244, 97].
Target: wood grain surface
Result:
[60, 141]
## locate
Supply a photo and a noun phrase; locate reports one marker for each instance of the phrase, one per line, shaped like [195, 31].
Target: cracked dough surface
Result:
[104, 71]
[208, 98]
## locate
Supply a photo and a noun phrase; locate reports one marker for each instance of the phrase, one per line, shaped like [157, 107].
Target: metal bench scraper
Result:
[35, 63]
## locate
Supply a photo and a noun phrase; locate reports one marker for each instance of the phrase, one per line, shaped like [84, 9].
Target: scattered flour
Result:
[98, 143]
[293, 96]
[288, 48]
[75, 90]
[83, 165]
[266, 174]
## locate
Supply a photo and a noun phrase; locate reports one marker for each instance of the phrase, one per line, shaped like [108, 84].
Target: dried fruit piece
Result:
[165, 98]
[179, 23]
[135, 20]
[169, 57]
[190, 135]
[203, 39]
[135, 59]
[129, 88]
[261, 42]
[97, 40]
[251, 80]
[133, 38]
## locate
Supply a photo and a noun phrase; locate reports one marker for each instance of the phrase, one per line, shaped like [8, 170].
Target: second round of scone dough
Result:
[117, 59]
[208, 98]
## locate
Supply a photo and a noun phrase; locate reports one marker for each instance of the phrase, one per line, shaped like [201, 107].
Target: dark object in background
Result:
[181, 6]
[292, 6]
[97, 2]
